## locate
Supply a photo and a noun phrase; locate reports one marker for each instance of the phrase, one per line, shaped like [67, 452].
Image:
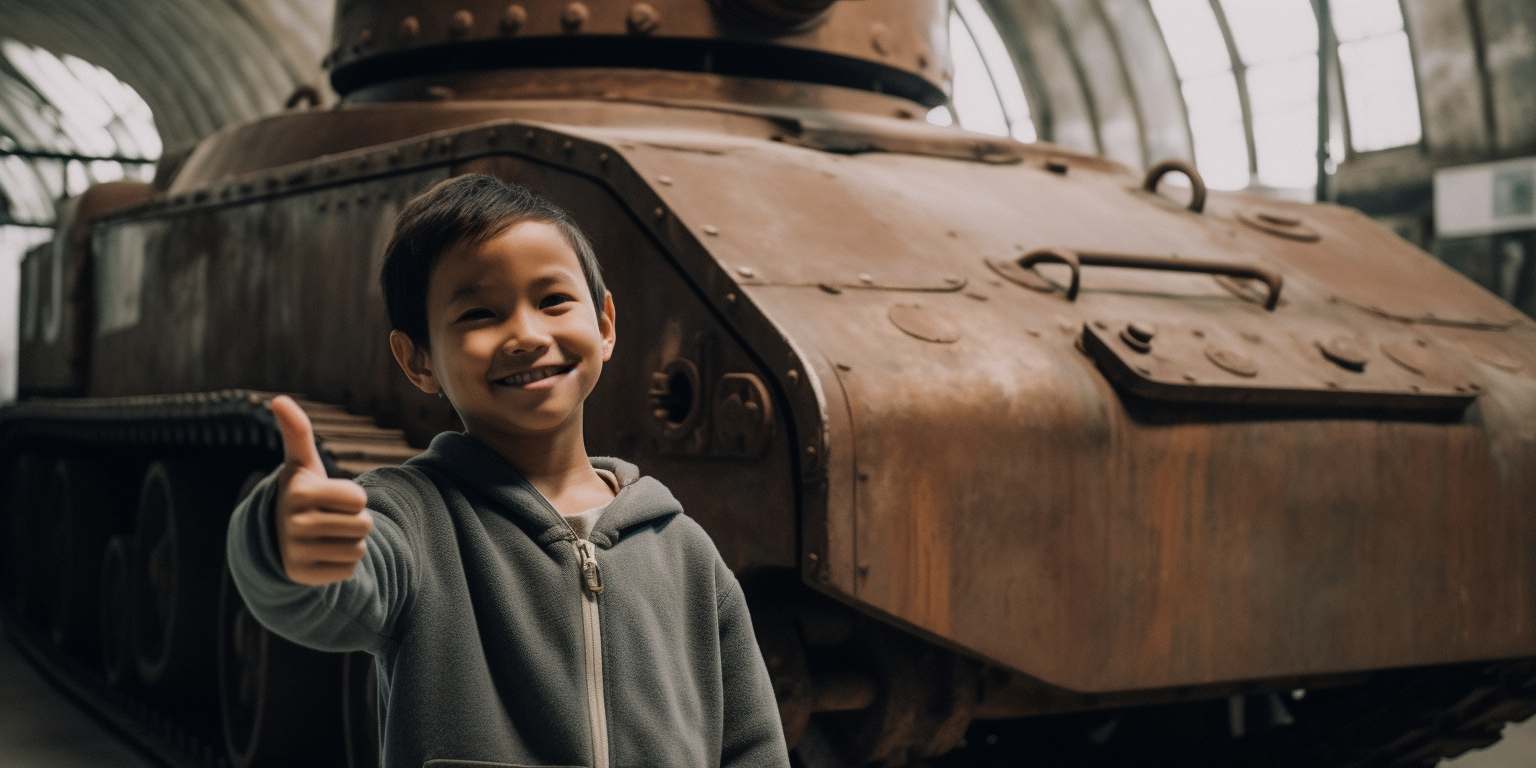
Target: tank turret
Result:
[897, 47]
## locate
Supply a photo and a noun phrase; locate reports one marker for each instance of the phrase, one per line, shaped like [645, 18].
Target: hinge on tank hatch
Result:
[1310, 365]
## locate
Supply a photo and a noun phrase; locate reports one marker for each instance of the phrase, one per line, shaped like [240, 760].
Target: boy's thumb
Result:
[298, 437]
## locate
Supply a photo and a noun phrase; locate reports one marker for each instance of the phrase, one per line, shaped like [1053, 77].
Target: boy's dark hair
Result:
[467, 209]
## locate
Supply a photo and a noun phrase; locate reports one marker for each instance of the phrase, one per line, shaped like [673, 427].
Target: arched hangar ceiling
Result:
[1097, 73]
[199, 64]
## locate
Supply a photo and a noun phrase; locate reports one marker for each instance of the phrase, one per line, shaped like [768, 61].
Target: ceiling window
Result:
[987, 96]
[1276, 42]
[1377, 69]
[1248, 71]
[1200, 56]
[65, 124]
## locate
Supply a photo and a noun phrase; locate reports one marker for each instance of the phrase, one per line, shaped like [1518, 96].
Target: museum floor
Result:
[40, 727]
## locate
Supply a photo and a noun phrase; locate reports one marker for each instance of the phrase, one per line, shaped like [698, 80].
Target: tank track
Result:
[1398, 718]
[230, 420]
[1414, 718]
[1401, 718]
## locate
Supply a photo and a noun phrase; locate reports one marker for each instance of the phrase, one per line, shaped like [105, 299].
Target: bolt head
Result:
[410, 27]
[643, 19]
[574, 16]
[460, 24]
[513, 19]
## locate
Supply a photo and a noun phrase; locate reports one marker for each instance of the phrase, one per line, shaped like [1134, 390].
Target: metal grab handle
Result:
[1077, 261]
[1197, 184]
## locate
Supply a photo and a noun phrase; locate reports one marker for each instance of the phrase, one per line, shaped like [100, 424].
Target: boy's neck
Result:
[556, 464]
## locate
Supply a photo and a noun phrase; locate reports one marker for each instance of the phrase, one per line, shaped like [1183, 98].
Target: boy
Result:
[525, 605]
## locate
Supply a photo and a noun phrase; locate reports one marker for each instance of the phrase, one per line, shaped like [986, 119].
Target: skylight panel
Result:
[30, 198]
[999, 67]
[1381, 93]
[1283, 97]
[1360, 19]
[1270, 30]
[81, 104]
[1193, 36]
[1204, 66]
[1216, 121]
[1376, 64]
[975, 97]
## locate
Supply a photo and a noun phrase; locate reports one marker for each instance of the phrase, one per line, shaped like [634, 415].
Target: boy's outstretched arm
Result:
[753, 736]
[309, 557]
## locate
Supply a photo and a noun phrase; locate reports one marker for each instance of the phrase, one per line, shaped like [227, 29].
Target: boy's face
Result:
[516, 343]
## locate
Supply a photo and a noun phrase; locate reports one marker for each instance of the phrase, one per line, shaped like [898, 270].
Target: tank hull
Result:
[955, 485]
[987, 486]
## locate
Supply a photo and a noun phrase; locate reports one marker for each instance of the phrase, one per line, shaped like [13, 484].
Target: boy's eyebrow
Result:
[465, 290]
[538, 283]
[553, 278]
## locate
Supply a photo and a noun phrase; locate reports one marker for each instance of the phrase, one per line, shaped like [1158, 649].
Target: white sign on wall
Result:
[1486, 198]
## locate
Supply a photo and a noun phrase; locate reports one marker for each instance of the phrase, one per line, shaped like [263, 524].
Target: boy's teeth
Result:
[528, 377]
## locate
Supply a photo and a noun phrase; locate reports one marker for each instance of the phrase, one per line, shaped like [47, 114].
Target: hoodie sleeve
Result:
[752, 735]
[358, 614]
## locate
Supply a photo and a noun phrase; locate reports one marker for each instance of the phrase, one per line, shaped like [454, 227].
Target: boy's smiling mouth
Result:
[532, 375]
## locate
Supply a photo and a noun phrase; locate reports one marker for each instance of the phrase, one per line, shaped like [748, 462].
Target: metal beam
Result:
[28, 154]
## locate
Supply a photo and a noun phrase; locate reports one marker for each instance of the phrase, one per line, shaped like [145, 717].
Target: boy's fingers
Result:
[306, 492]
[322, 573]
[317, 524]
[298, 437]
[335, 550]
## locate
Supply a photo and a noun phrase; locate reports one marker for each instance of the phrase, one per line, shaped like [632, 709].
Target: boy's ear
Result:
[414, 361]
[605, 325]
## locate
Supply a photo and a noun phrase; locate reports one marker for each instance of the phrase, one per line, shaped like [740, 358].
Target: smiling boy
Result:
[525, 604]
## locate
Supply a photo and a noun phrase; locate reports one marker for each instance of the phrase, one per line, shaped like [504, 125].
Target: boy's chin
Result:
[527, 426]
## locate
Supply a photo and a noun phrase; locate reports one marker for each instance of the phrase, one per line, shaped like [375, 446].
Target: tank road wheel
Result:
[81, 495]
[114, 619]
[280, 703]
[925, 698]
[360, 710]
[177, 554]
[24, 529]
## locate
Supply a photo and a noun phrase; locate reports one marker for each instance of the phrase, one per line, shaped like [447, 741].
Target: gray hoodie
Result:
[476, 600]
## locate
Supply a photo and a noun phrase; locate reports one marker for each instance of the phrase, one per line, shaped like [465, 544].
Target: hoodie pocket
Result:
[440, 763]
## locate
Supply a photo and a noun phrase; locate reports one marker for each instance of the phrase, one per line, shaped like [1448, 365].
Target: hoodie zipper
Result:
[591, 577]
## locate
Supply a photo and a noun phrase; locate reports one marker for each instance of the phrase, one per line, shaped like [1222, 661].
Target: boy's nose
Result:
[521, 349]
[528, 336]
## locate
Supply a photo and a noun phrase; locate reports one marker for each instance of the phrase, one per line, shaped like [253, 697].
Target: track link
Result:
[227, 419]
[234, 420]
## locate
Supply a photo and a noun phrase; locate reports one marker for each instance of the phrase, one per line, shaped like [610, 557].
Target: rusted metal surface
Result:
[56, 301]
[956, 477]
[1114, 478]
[1192, 550]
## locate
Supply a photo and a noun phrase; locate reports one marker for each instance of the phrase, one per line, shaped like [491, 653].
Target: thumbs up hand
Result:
[322, 523]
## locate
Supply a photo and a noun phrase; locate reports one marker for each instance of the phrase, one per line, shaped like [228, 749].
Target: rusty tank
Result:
[1021, 456]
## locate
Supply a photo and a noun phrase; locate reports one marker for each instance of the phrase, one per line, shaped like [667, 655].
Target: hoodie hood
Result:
[472, 464]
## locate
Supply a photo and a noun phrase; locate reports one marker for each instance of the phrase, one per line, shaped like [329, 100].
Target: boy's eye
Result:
[476, 314]
[554, 300]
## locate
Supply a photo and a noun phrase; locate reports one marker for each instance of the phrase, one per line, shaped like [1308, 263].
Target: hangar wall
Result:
[1097, 74]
